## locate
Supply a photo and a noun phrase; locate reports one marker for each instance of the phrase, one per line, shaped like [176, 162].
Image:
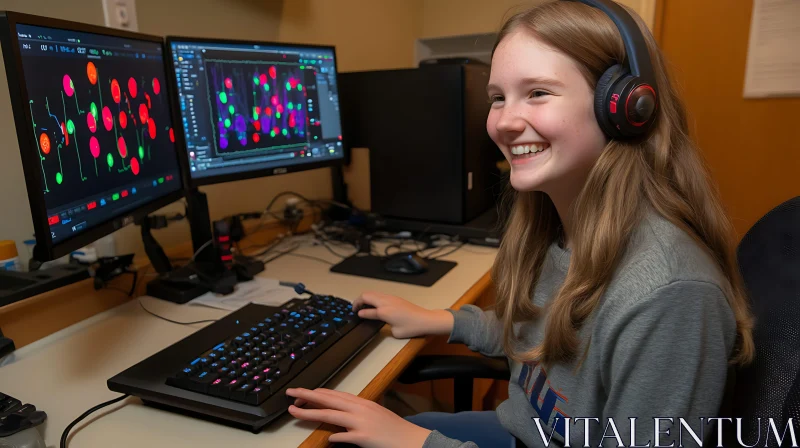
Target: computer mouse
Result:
[405, 263]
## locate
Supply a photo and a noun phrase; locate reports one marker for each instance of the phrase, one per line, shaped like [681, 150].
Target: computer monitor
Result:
[94, 121]
[252, 109]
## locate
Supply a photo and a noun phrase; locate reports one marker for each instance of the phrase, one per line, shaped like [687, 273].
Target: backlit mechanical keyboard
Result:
[237, 369]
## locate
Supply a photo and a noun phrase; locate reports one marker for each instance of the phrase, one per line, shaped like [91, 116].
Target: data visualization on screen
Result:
[101, 124]
[253, 107]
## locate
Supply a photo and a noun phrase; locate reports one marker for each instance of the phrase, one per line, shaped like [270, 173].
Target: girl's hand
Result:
[368, 424]
[407, 320]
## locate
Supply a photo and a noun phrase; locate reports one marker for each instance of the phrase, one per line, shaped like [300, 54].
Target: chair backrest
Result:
[769, 260]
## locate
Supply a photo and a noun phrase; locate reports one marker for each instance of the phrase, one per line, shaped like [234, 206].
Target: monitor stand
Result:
[207, 271]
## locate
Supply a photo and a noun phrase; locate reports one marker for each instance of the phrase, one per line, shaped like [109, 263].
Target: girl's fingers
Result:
[330, 416]
[368, 313]
[321, 399]
[346, 437]
[366, 298]
[343, 396]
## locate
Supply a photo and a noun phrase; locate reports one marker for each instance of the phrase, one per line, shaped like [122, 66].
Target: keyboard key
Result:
[201, 382]
[286, 363]
[233, 384]
[24, 411]
[258, 395]
[241, 392]
[9, 405]
[310, 334]
[217, 388]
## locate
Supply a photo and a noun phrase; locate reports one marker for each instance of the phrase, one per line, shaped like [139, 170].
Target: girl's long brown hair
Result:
[664, 173]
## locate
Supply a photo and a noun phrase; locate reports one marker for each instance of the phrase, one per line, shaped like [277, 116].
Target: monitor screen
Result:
[100, 111]
[250, 109]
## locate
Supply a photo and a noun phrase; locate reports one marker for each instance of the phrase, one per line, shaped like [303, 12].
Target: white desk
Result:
[65, 374]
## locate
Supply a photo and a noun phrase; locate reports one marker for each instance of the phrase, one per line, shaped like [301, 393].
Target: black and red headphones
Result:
[626, 98]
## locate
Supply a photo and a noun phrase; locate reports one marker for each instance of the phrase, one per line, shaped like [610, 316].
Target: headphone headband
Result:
[632, 37]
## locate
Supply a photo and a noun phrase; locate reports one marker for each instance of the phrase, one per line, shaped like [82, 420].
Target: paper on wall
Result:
[773, 56]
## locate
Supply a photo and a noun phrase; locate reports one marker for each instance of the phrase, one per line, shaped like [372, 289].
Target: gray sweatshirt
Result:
[660, 338]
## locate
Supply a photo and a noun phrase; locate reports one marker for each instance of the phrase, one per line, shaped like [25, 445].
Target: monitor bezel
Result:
[192, 182]
[46, 249]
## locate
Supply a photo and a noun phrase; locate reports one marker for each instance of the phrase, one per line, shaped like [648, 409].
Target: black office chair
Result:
[769, 258]
[462, 369]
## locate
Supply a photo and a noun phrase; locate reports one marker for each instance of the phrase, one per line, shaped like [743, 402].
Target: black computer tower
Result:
[430, 156]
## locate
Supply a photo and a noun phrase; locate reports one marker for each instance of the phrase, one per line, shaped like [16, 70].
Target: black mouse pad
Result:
[372, 266]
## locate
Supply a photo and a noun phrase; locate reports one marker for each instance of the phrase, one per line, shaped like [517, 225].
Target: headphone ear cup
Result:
[601, 94]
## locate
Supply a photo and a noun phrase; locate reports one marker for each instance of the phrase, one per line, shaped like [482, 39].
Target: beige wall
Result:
[456, 17]
[368, 34]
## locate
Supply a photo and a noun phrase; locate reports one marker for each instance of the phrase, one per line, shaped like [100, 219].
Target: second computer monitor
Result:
[256, 109]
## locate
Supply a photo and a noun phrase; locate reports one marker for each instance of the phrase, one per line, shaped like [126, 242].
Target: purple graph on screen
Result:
[257, 106]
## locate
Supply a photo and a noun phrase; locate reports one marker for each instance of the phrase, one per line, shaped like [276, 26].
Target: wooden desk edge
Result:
[376, 387]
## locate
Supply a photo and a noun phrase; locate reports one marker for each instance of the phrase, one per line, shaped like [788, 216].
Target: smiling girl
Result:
[618, 293]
